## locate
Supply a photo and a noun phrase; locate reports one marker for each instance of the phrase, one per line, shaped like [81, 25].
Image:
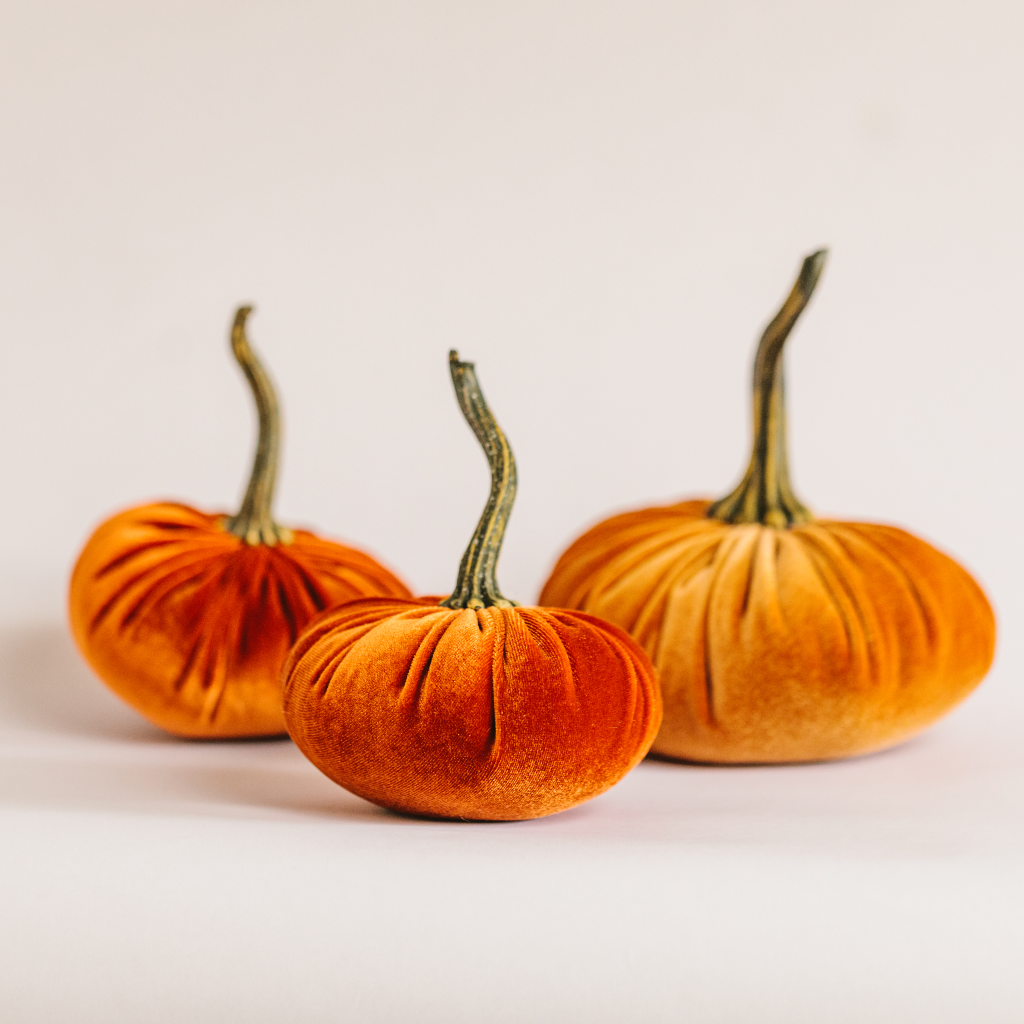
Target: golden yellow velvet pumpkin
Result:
[471, 707]
[188, 615]
[779, 637]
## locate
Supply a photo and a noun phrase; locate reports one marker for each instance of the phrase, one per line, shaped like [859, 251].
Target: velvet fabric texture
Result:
[190, 624]
[819, 641]
[496, 713]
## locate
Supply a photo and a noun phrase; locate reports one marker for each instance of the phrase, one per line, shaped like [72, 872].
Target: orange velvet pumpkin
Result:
[471, 707]
[778, 637]
[188, 616]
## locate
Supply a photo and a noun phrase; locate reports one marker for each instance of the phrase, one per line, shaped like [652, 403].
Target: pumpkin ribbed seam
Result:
[749, 582]
[168, 516]
[307, 602]
[499, 681]
[290, 614]
[582, 569]
[541, 625]
[819, 553]
[195, 566]
[411, 691]
[206, 654]
[190, 663]
[215, 573]
[140, 549]
[678, 573]
[715, 569]
[306, 642]
[215, 681]
[931, 631]
[638, 724]
[930, 628]
[816, 556]
[353, 581]
[316, 596]
[327, 671]
[617, 569]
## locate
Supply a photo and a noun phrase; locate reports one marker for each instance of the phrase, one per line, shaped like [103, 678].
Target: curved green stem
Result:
[477, 585]
[765, 494]
[253, 523]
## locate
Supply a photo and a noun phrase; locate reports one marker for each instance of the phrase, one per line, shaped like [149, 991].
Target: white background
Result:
[601, 204]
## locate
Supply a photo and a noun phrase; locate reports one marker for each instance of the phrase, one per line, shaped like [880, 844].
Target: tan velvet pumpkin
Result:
[777, 636]
[471, 707]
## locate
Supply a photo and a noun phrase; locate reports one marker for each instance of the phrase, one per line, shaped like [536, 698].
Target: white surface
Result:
[601, 204]
[151, 880]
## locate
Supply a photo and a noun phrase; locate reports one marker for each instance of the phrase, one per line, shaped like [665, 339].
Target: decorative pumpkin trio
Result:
[736, 631]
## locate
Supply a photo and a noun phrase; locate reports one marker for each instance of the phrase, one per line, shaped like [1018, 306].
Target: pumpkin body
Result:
[190, 624]
[818, 641]
[497, 713]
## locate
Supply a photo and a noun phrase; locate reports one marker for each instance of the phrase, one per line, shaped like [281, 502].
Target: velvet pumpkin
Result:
[778, 636]
[188, 615]
[471, 707]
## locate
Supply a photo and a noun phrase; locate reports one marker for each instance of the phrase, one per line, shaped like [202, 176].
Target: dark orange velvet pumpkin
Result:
[779, 637]
[188, 616]
[471, 707]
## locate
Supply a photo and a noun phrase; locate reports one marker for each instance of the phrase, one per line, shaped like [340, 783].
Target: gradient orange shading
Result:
[778, 637]
[472, 708]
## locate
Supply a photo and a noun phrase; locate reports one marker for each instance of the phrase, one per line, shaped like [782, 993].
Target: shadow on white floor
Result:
[66, 741]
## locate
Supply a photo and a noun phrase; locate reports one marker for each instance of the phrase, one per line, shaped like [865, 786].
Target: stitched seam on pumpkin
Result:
[873, 640]
[625, 658]
[160, 581]
[371, 611]
[548, 639]
[721, 554]
[500, 635]
[752, 561]
[597, 554]
[219, 683]
[677, 574]
[816, 555]
[159, 524]
[492, 732]
[296, 594]
[358, 574]
[129, 555]
[330, 670]
[287, 611]
[245, 621]
[606, 566]
[922, 608]
[309, 585]
[223, 639]
[192, 566]
[627, 559]
[543, 634]
[179, 683]
[709, 685]
[159, 591]
[416, 678]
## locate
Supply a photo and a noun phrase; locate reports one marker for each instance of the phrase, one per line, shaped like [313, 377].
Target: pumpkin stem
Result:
[253, 522]
[765, 495]
[477, 586]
